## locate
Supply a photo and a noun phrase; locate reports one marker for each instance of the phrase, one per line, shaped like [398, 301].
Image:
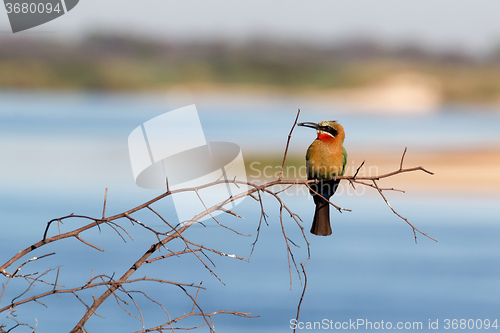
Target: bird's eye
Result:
[330, 130]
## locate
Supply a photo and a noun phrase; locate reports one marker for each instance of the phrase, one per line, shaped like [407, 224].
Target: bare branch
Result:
[402, 159]
[403, 218]
[104, 205]
[87, 243]
[287, 144]
[213, 217]
[357, 170]
[231, 212]
[340, 209]
[302, 296]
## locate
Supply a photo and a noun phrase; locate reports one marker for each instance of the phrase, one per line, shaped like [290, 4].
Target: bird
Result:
[326, 158]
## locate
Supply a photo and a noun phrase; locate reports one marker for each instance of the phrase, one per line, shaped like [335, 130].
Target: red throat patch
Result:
[324, 136]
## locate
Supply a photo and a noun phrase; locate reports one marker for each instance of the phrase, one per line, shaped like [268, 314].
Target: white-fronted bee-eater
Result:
[326, 158]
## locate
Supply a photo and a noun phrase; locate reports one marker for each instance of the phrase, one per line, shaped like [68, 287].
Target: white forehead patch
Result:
[325, 123]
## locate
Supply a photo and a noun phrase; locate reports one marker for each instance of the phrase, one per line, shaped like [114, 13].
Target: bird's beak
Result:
[309, 124]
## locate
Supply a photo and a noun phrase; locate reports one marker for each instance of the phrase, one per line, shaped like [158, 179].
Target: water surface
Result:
[59, 153]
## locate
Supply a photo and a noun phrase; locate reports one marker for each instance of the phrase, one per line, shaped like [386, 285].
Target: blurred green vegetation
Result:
[124, 63]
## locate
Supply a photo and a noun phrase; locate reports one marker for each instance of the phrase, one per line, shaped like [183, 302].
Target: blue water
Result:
[112, 117]
[59, 153]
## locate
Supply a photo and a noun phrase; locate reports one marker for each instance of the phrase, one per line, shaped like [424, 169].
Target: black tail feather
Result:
[321, 223]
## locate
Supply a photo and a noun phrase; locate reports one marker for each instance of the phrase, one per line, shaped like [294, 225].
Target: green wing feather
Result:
[345, 161]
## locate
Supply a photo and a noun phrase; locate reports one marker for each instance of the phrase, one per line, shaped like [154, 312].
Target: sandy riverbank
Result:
[460, 172]
[398, 94]
[457, 172]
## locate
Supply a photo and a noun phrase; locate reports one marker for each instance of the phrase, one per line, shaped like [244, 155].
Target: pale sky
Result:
[473, 25]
